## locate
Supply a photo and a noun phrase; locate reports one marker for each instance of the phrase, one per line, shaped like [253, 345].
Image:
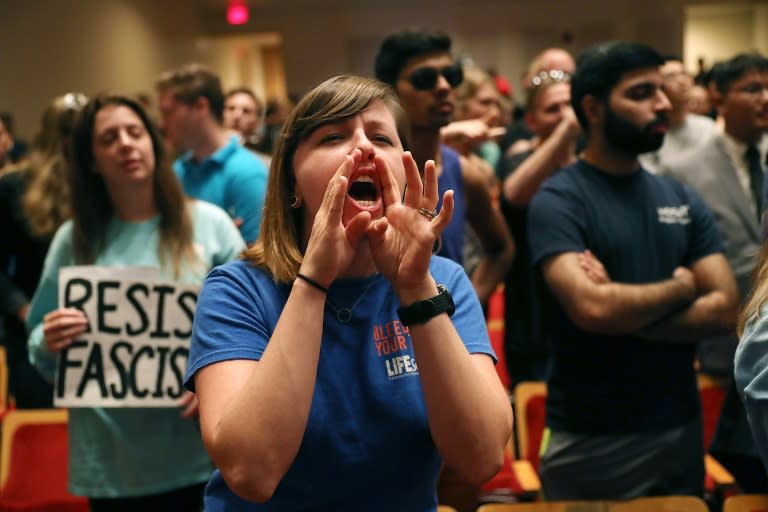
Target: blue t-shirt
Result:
[367, 444]
[232, 178]
[451, 243]
[641, 227]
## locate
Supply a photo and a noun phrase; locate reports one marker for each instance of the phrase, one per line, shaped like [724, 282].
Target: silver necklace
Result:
[344, 315]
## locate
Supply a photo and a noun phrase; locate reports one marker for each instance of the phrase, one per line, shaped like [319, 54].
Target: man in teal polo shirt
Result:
[213, 167]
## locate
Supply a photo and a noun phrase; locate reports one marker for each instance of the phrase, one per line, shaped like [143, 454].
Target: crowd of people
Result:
[345, 246]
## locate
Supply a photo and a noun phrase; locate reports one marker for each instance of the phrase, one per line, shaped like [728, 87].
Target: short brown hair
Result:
[193, 81]
[248, 92]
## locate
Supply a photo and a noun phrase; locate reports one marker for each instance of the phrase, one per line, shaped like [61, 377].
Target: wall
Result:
[53, 46]
[50, 47]
[333, 36]
[719, 31]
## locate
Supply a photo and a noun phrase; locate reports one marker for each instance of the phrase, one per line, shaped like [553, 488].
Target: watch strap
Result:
[422, 311]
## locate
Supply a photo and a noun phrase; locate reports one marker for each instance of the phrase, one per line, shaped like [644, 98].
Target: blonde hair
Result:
[543, 81]
[278, 249]
[45, 202]
[758, 297]
[474, 79]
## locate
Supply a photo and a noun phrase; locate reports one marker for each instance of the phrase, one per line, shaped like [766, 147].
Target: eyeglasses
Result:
[425, 79]
[550, 76]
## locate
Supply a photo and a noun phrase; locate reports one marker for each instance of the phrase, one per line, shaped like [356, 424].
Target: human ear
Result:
[202, 104]
[716, 98]
[593, 109]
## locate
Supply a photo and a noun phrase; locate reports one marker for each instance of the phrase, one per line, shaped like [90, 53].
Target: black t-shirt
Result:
[641, 227]
[528, 304]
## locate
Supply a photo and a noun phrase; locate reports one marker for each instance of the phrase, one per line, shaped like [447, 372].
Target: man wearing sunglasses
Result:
[419, 66]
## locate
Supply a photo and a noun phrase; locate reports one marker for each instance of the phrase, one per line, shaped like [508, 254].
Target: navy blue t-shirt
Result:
[451, 243]
[641, 227]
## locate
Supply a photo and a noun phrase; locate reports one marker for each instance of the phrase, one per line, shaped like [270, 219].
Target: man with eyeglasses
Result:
[635, 263]
[419, 66]
[728, 171]
[687, 131]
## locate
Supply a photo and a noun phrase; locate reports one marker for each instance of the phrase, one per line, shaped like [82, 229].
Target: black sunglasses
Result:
[425, 79]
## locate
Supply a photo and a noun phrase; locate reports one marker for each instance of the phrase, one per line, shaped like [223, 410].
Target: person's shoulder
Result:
[206, 212]
[63, 239]
[66, 229]
[182, 161]
[565, 178]
[669, 186]
[695, 163]
[665, 180]
[444, 270]
[242, 159]
[701, 122]
[244, 273]
[450, 157]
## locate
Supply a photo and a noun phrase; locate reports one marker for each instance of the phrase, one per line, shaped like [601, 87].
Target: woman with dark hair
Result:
[34, 202]
[304, 355]
[128, 209]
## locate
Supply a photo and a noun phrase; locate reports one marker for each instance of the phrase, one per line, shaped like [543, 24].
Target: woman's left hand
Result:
[189, 405]
[402, 241]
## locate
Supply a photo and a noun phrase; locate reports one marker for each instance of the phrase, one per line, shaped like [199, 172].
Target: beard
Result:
[630, 138]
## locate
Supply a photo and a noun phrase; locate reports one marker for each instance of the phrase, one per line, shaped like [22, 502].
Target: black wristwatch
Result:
[420, 312]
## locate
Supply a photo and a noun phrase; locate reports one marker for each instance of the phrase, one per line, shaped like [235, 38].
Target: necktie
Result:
[755, 169]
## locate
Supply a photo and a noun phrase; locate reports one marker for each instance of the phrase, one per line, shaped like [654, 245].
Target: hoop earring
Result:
[294, 201]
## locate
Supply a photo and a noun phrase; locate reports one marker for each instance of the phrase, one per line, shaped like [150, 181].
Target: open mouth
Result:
[364, 191]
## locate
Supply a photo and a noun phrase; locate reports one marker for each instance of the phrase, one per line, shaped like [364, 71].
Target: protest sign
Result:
[135, 349]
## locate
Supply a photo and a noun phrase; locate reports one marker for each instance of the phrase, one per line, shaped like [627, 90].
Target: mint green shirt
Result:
[127, 452]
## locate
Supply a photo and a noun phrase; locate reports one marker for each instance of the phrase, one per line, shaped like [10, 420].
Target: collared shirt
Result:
[736, 151]
[232, 178]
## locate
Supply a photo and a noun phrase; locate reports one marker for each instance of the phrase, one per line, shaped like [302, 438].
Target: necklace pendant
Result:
[344, 315]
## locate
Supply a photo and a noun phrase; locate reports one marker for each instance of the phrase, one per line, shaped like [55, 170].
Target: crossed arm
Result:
[692, 303]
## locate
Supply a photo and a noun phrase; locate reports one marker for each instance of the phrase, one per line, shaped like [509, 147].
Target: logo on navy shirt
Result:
[674, 214]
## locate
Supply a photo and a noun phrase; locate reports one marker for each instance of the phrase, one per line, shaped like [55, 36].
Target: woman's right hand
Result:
[61, 327]
[332, 245]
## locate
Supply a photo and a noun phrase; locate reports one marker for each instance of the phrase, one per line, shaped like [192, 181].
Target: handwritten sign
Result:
[135, 349]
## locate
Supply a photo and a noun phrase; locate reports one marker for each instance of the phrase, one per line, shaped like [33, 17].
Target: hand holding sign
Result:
[62, 326]
[188, 403]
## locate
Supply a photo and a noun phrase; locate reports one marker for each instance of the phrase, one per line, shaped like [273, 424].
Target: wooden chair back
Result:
[654, 504]
[746, 503]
